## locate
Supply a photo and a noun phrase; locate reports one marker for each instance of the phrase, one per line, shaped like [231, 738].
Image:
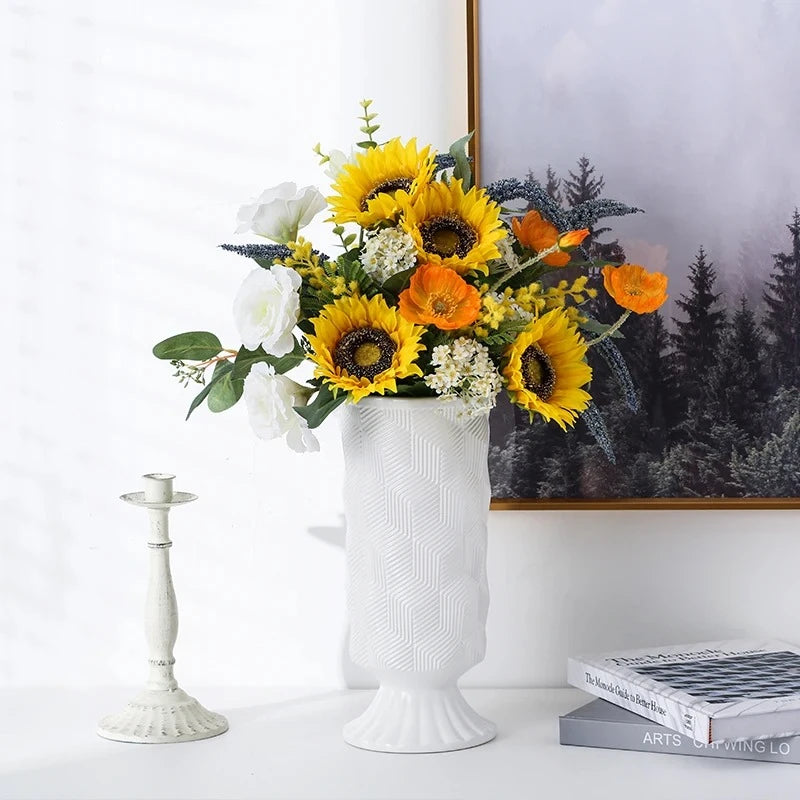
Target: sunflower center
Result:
[447, 236]
[364, 352]
[366, 355]
[538, 374]
[387, 187]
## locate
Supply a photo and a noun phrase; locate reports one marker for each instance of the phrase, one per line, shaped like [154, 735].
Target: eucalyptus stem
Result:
[208, 362]
[609, 331]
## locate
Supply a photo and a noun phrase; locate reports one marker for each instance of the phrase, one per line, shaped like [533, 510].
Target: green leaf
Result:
[417, 389]
[246, 358]
[306, 325]
[191, 346]
[462, 169]
[399, 281]
[366, 145]
[594, 326]
[220, 369]
[266, 263]
[199, 399]
[324, 402]
[225, 391]
[350, 268]
[506, 333]
[349, 239]
[291, 360]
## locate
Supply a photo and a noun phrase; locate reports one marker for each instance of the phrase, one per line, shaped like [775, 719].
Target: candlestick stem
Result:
[163, 712]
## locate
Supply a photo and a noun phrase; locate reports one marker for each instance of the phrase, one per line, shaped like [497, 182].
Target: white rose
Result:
[270, 401]
[267, 307]
[280, 212]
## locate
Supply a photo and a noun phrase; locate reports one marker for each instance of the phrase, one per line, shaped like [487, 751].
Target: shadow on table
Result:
[266, 740]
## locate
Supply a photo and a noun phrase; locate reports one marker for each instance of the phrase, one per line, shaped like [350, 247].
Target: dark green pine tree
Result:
[583, 185]
[782, 319]
[553, 186]
[698, 336]
[737, 384]
[652, 365]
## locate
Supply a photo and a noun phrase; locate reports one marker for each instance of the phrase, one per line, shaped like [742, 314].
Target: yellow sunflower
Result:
[545, 369]
[452, 228]
[365, 191]
[363, 346]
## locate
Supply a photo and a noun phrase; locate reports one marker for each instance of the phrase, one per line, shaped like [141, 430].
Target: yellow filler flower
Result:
[365, 191]
[452, 228]
[545, 370]
[363, 346]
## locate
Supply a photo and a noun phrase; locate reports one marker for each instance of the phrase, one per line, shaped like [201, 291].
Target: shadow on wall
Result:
[354, 677]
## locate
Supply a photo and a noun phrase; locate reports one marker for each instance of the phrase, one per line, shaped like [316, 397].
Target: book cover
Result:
[601, 724]
[739, 689]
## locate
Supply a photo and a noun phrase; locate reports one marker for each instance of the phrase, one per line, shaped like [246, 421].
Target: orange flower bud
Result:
[570, 240]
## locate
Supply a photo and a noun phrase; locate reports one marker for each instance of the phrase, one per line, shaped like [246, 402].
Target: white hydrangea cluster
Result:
[387, 252]
[463, 370]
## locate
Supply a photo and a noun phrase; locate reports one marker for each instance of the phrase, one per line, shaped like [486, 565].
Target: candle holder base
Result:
[162, 717]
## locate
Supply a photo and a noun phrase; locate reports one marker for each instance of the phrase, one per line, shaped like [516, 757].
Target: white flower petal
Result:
[266, 309]
[270, 401]
[280, 212]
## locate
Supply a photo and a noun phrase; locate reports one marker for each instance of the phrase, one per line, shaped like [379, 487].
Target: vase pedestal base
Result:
[162, 717]
[403, 720]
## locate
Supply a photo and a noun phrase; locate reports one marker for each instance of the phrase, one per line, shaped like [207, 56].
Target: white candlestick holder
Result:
[163, 713]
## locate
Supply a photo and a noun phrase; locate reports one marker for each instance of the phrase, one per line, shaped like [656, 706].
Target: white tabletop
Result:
[286, 744]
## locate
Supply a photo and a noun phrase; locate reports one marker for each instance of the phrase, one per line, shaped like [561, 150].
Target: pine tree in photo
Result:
[561, 469]
[553, 186]
[703, 466]
[698, 335]
[772, 470]
[782, 319]
[737, 384]
[652, 364]
[583, 185]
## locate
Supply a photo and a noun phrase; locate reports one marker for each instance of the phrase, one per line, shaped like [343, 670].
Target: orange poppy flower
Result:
[538, 234]
[634, 288]
[571, 239]
[440, 296]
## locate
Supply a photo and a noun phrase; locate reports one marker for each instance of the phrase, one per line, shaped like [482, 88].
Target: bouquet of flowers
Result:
[442, 289]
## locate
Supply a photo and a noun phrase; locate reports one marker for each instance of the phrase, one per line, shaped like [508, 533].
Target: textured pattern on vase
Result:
[417, 494]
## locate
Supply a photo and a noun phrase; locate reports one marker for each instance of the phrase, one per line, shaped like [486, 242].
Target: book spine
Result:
[651, 738]
[644, 702]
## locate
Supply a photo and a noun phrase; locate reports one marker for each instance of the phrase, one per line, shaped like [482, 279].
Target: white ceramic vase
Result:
[416, 500]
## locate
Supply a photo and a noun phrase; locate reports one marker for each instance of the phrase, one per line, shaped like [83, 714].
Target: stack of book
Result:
[733, 699]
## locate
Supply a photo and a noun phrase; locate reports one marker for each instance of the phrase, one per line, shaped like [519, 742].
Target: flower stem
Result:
[524, 264]
[609, 331]
[210, 361]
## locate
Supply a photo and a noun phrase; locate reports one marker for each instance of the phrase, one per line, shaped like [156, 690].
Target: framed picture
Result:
[690, 112]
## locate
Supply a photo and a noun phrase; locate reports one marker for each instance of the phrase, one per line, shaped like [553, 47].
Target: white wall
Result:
[130, 134]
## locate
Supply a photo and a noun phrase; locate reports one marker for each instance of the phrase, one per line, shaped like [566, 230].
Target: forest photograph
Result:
[690, 117]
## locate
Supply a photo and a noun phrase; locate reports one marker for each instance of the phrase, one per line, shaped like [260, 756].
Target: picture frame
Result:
[484, 18]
